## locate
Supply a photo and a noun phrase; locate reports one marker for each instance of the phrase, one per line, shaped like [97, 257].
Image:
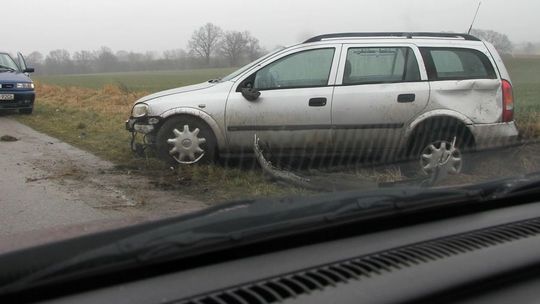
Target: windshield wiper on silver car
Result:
[237, 224]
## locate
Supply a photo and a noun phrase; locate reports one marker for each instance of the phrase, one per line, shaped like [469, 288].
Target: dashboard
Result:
[457, 259]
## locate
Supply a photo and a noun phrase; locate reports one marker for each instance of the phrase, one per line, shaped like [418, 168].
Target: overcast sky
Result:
[157, 25]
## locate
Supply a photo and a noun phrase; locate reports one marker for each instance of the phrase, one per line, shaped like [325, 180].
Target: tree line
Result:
[209, 46]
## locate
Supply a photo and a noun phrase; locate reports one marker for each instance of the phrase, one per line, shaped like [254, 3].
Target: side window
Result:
[380, 65]
[457, 64]
[304, 69]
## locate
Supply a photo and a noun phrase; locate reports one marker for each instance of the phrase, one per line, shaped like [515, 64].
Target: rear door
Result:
[464, 80]
[379, 89]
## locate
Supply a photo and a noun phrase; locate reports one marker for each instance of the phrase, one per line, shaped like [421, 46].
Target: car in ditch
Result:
[429, 97]
[16, 87]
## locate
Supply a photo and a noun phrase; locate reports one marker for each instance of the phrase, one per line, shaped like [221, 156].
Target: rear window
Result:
[380, 65]
[457, 64]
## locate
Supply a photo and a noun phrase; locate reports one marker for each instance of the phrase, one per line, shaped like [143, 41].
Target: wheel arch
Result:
[203, 117]
[441, 119]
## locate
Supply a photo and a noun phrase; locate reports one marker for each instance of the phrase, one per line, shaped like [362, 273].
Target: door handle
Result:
[406, 98]
[317, 102]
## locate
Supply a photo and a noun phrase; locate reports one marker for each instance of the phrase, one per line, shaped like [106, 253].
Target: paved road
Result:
[29, 198]
[46, 185]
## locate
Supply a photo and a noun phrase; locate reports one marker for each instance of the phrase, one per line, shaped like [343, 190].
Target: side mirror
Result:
[29, 70]
[251, 94]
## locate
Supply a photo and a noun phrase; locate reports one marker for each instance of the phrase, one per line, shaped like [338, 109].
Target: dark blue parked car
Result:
[16, 88]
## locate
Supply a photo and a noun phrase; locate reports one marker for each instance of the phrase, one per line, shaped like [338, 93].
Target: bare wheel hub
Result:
[442, 154]
[186, 146]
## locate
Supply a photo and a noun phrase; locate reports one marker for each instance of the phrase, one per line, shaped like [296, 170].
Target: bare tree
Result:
[233, 46]
[205, 41]
[106, 61]
[122, 56]
[208, 42]
[34, 59]
[176, 54]
[253, 48]
[59, 62]
[499, 40]
[84, 61]
[529, 48]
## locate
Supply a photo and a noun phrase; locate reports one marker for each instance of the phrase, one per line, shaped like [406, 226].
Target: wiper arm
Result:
[512, 187]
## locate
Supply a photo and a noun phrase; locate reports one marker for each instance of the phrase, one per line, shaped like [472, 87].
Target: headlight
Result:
[25, 85]
[140, 110]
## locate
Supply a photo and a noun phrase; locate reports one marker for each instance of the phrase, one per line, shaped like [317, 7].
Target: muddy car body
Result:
[396, 94]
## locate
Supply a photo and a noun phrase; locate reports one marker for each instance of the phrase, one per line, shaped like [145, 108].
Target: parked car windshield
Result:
[7, 62]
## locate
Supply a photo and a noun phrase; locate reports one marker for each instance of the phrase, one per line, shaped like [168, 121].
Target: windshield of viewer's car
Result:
[119, 125]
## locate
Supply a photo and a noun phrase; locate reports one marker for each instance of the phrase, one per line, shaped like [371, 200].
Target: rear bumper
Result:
[23, 100]
[488, 136]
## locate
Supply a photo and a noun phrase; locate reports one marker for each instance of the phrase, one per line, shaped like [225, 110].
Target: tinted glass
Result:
[452, 64]
[304, 69]
[379, 65]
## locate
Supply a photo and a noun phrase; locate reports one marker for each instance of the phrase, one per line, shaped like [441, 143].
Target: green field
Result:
[137, 81]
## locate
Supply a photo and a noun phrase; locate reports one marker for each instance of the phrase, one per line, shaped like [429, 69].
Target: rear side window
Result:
[457, 64]
[380, 65]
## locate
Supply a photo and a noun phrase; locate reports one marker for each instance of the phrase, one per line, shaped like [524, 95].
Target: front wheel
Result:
[185, 140]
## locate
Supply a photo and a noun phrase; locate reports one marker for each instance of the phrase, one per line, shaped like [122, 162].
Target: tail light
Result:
[508, 101]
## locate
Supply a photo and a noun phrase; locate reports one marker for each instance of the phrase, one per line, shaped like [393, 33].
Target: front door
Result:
[293, 111]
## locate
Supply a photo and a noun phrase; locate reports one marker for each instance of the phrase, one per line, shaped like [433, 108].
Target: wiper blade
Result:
[249, 222]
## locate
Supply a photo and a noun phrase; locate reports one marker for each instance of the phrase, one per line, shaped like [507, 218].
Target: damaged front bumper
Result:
[145, 126]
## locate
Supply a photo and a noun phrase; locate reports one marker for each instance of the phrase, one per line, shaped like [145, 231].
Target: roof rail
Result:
[408, 35]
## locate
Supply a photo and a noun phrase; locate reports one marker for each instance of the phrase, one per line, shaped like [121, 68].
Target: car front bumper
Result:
[144, 125]
[488, 136]
[22, 100]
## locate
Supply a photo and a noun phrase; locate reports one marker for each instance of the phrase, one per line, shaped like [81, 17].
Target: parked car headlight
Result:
[140, 110]
[25, 85]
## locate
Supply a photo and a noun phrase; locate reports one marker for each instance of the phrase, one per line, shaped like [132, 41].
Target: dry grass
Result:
[109, 100]
[529, 124]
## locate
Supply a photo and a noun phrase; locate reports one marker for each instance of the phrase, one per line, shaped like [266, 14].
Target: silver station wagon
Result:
[423, 96]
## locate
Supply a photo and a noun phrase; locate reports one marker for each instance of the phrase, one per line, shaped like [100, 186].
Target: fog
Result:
[157, 25]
